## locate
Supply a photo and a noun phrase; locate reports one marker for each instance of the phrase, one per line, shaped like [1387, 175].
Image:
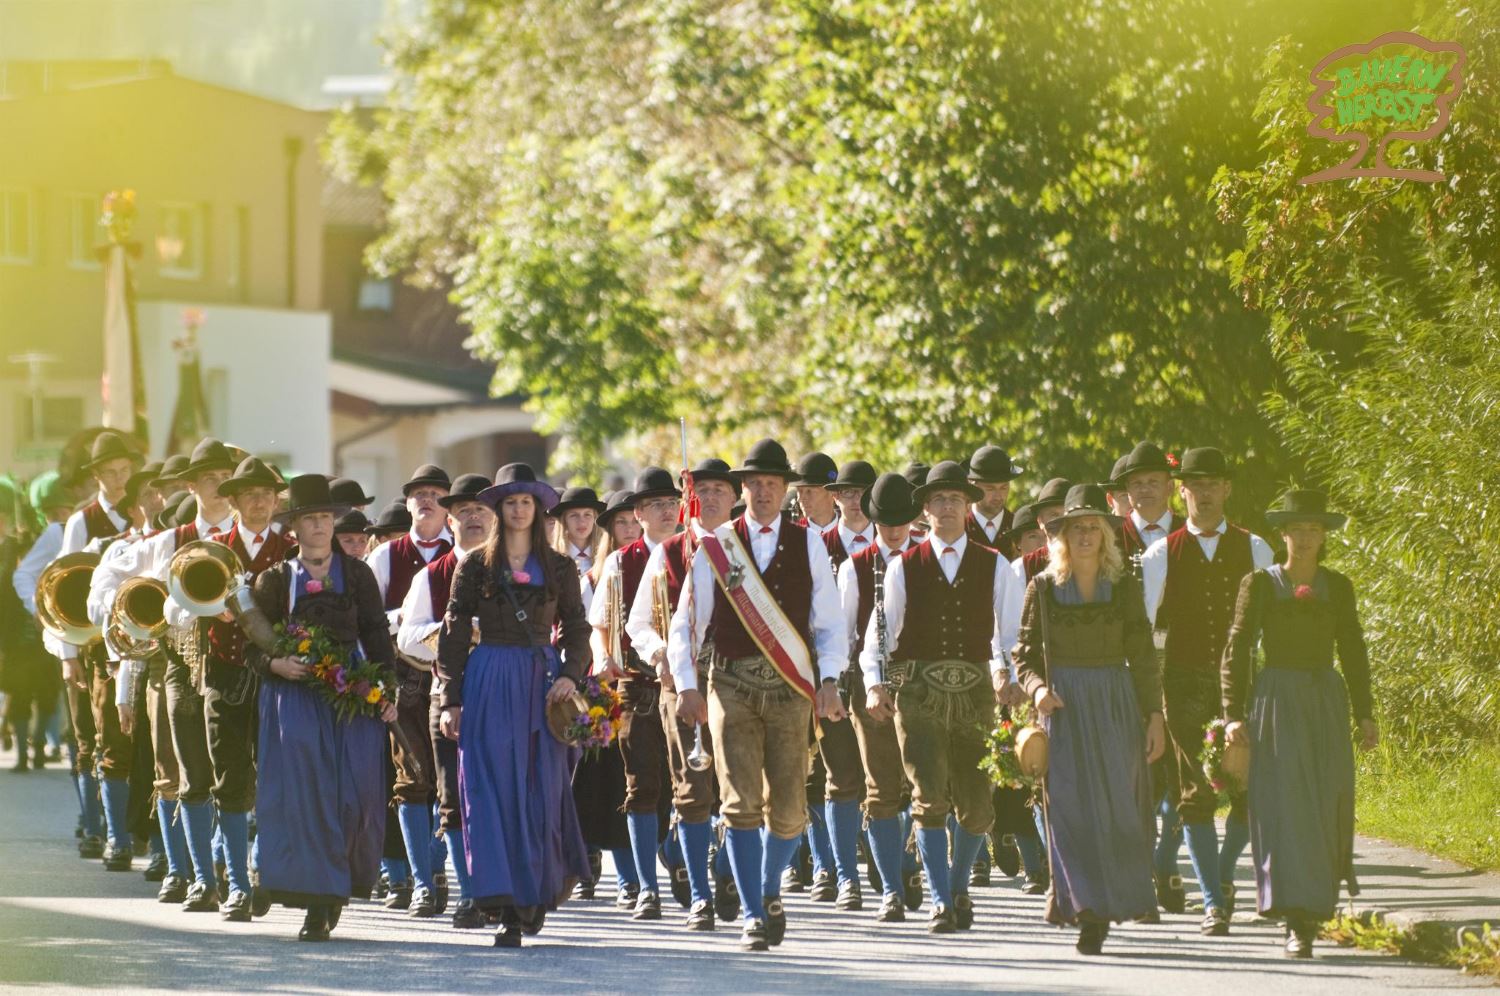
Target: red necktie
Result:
[860, 541]
[764, 530]
[430, 544]
[260, 538]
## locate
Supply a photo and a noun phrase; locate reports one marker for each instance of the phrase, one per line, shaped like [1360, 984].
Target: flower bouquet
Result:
[353, 687]
[1224, 766]
[1001, 761]
[600, 724]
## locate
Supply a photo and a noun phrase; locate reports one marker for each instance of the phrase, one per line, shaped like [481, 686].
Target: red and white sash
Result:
[734, 570]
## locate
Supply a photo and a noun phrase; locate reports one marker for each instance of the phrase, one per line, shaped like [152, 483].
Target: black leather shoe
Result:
[423, 904]
[584, 890]
[942, 920]
[174, 889]
[790, 882]
[775, 921]
[701, 916]
[531, 919]
[1035, 886]
[1091, 937]
[892, 909]
[382, 887]
[1170, 895]
[1008, 856]
[849, 896]
[260, 901]
[236, 908]
[332, 914]
[399, 898]
[156, 868]
[647, 907]
[314, 925]
[726, 898]
[914, 894]
[117, 859]
[754, 936]
[508, 936]
[824, 889]
[200, 899]
[682, 889]
[467, 916]
[963, 911]
[1299, 939]
[626, 896]
[1215, 923]
[979, 875]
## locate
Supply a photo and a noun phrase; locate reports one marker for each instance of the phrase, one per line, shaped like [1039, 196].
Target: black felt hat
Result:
[1144, 456]
[1204, 461]
[1116, 480]
[517, 479]
[140, 480]
[993, 465]
[889, 501]
[110, 445]
[209, 455]
[167, 517]
[1083, 500]
[172, 470]
[769, 457]
[815, 469]
[577, 498]
[947, 475]
[1303, 505]
[916, 473]
[1054, 492]
[352, 521]
[853, 474]
[1024, 522]
[655, 482]
[714, 469]
[427, 475]
[186, 511]
[252, 473]
[394, 518]
[308, 494]
[347, 491]
[616, 502]
[468, 487]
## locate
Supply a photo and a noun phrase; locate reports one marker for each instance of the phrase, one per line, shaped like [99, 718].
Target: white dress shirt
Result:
[599, 607]
[830, 636]
[379, 560]
[849, 587]
[46, 549]
[638, 624]
[991, 527]
[419, 617]
[76, 532]
[1150, 532]
[1007, 600]
[851, 539]
[1154, 561]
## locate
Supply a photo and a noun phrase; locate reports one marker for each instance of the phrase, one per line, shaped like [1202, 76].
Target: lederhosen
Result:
[111, 748]
[695, 794]
[187, 654]
[879, 750]
[444, 751]
[643, 739]
[838, 747]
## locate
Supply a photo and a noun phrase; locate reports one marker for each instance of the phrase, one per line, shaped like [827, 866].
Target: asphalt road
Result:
[66, 924]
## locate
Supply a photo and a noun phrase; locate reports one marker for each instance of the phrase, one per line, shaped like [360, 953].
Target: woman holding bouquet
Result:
[520, 825]
[1296, 720]
[320, 786]
[1085, 656]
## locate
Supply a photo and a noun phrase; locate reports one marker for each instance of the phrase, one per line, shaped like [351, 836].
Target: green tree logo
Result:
[1399, 87]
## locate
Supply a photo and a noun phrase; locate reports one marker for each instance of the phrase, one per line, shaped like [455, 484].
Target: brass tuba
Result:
[62, 596]
[201, 575]
[137, 619]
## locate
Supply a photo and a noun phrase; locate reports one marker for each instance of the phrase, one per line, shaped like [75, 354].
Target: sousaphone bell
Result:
[62, 598]
[201, 576]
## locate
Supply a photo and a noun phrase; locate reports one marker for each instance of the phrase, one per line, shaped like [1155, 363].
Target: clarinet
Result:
[880, 647]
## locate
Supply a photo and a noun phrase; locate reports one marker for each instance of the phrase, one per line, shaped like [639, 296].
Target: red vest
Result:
[947, 622]
[788, 577]
[226, 640]
[406, 561]
[440, 581]
[677, 558]
[1197, 605]
[632, 566]
[834, 541]
[863, 564]
[1036, 561]
[185, 535]
[96, 521]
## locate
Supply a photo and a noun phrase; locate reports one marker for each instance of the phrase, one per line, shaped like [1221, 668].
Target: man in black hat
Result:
[854, 531]
[951, 610]
[396, 565]
[470, 521]
[814, 473]
[349, 493]
[991, 471]
[1115, 490]
[764, 575]
[889, 503]
[643, 744]
[1192, 579]
[694, 790]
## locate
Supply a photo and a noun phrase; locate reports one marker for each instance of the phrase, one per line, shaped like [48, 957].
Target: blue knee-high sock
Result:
[966, 847]
[93, 811]
[694, 838]
[643, 829]
[625, 866]
[819, 841]
[416, 834]
[220, 858]
[886, 848]
[198, 826]
[1203, 851]
[397, 872]
[1169, 844]
[455, 840]
[844, 819]
[116, 793]
[235, 829]
[746, 856]
[1236, 839]
[932, 842]
[173, 839]
[778, 852]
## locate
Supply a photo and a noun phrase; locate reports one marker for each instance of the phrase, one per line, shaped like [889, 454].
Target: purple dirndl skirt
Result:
[320, 798]
[1100, 827]
[520, 824]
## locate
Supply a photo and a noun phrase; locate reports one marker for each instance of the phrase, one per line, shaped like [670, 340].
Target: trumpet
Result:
[137, 619]
[62, 595]
[661, 603]
[614, 621]
[699, 759]
[201, 576]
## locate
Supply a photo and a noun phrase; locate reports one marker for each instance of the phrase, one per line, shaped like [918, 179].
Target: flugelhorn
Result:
[137, 619]
[62, 597]
[201, 575]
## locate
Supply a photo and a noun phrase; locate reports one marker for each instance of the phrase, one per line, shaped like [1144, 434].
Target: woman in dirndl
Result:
[520, 827]
[1295, 718]
[1085, 656]
[320, 789]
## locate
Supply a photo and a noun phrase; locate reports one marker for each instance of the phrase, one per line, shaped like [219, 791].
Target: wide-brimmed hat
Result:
[576, 498]
[308, 494]
[110, 445]
[172, 469]
[427, 475]
[394, 518]
[769, 457]
[713, 469]
[916, 473]
[1116, 480]
[167, 517]
[186, 511]
[889, 502]
[1082, 501]
[519, 479]
[252, 473]
[1303, 505]
[352, 521]
[1023, 522]
[347, 491]
[1144, 456]
[814, 470]
[616, 502]
[1054, 492]
[468, 487]
[1204, 461]
[141, 480]
[655, 482]
[947, 475]
[853, 474]
[209, 455]
[993, 465]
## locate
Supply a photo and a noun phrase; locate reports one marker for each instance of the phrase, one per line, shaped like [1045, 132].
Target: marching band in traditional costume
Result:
[827, 674]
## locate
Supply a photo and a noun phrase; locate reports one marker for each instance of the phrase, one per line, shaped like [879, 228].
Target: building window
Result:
[180, 237]
[375, 294]
[17, 226]
[239, 252]
[60, 418]
[85, 234]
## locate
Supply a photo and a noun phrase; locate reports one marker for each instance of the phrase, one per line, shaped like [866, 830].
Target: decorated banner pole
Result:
[123, 388]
